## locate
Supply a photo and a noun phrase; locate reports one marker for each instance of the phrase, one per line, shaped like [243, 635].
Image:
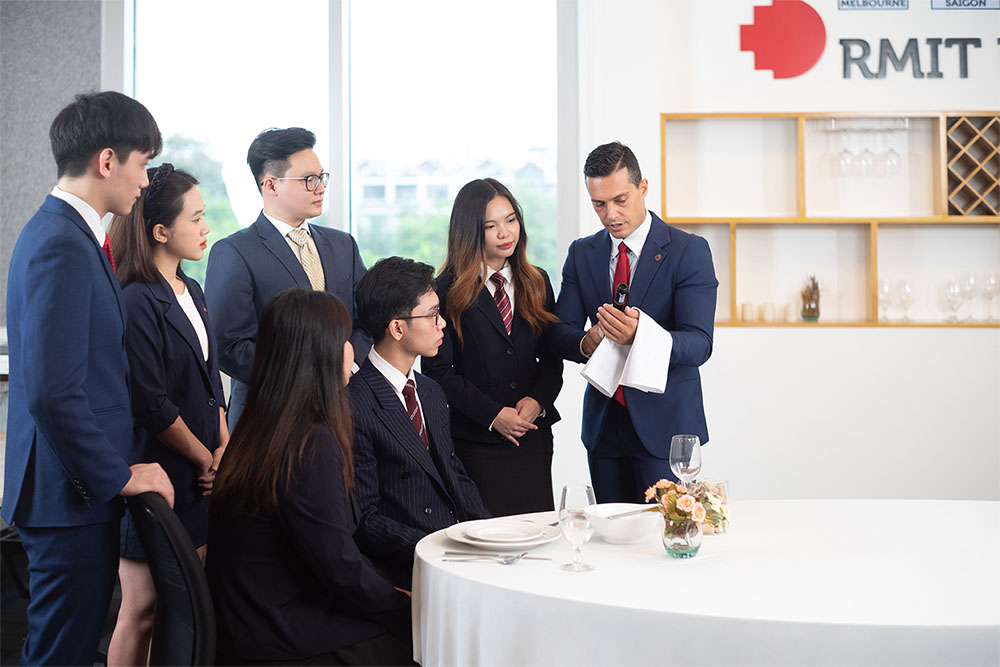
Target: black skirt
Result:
[511, 479]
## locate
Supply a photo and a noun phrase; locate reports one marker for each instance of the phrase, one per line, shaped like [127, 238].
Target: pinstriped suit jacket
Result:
[403, 490]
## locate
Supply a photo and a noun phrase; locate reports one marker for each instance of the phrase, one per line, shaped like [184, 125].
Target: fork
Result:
[503, 560]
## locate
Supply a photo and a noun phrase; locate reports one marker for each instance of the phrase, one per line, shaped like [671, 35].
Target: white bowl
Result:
[625, 530]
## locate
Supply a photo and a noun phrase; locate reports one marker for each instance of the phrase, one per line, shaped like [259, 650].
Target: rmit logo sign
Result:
[788, 38]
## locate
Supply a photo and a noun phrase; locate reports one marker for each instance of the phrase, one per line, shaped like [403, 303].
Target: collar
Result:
[390, 372]
[505, 271]
[85, 210]
[283, 227]
[635, 240]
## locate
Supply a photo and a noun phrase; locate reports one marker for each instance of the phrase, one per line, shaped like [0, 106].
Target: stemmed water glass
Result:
[991, 287]
[953, 299]
[905, 297]
[576, 527]
[970, 286]
[685, 457]
[884, 296]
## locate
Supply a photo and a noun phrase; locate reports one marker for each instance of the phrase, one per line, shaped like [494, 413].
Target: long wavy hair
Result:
[467, 256]
[131, 235]
[297, 385]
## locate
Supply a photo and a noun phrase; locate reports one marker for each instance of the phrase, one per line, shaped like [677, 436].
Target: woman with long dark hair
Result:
[288, 582]
[499, 378]
[177, 398]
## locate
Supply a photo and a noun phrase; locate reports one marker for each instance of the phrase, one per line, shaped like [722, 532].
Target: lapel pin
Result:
[657, 257]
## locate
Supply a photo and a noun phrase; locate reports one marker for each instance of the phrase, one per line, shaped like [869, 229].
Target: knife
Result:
[491, 555]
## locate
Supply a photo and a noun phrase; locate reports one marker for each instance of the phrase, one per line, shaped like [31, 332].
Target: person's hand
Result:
[205, 472]
[592, 340]
[217, 457]
[511, 425]
[149, 477]
[618, 326]
[404, 591]
[528, 409]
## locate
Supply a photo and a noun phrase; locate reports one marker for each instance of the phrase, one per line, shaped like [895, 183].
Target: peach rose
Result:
[699, 513]
[650, 493]
[686, 503]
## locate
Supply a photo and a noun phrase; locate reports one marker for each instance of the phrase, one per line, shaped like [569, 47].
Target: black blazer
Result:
[170, 377]
[404, 491]
[494, 369]
[292, 584]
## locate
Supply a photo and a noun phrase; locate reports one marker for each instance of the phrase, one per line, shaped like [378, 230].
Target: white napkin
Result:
[642, 365]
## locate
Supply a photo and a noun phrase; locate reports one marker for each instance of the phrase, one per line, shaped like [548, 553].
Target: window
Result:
[374, 193]
[213, 95]
[473, 96]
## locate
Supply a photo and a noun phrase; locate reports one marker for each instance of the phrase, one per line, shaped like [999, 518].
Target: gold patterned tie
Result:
[307, 256]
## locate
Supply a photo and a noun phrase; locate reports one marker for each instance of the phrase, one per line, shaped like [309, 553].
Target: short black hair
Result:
[270, 151]
[390, 289]
[606, 159]
[95, 121]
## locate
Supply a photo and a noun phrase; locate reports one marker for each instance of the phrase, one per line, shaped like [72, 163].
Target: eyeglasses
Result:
[436, 315]
[312, 180]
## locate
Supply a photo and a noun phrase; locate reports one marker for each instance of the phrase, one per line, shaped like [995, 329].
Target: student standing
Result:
[500, 379]
[69, 429]
[177, 397]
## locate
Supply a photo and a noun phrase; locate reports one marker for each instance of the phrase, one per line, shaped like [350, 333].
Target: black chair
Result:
[184, 621]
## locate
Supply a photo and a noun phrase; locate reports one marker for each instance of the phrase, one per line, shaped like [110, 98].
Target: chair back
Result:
[184, 621]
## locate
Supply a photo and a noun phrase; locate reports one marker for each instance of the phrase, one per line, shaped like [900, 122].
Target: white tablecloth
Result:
[810, 582]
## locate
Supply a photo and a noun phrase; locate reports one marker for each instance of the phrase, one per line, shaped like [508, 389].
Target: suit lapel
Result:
[598, 258]
[278, 246]
[393, 416]
[327, 259]
[488, 306]
[654, 251]
[178, 320]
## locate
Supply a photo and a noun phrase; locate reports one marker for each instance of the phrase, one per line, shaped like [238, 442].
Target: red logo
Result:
[786, 37]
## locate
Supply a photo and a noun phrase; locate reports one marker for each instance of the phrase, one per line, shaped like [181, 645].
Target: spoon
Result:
[503, 560]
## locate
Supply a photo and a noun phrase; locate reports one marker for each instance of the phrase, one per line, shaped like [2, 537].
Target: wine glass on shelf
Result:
[991, 287]
[845, 156]
[884, 297]
[953, 299]
[905, 297]
[867, 159]
[685, 457]
[970, 286]
[575, 525]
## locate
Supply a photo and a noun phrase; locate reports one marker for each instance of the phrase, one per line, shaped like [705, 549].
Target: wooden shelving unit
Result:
[748, 181]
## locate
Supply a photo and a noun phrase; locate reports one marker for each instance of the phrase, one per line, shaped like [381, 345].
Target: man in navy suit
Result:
[408, 480]
[69, 430]
[671, 279]
[276, 252]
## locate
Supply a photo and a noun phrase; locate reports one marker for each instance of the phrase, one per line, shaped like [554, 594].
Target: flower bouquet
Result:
[687, 513]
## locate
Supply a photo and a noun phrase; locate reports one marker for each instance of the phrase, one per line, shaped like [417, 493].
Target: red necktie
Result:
[413, 409]
[107, 251]
[503, 303]
[621, 276]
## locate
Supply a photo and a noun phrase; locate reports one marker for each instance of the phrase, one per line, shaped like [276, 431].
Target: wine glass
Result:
[991, 287]
[866, 159]
[845, 157]
[576, 527]
[685, 457]
[905, 296]
[953, 298]
[970, 286]
[884, 296]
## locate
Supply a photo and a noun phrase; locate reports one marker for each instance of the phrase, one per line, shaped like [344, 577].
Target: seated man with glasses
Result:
[276, 252]
[408, 481]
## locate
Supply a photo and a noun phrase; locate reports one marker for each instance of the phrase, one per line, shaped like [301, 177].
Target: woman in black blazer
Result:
[288, 582]
[499, 378]
[177, 398]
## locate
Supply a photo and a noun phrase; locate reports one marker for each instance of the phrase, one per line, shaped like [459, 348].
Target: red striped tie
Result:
[107, 251]
[503, 303]
[413, 409]
[621, 276]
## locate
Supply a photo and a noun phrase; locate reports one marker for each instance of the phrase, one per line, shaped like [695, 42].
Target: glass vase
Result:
[681, 539]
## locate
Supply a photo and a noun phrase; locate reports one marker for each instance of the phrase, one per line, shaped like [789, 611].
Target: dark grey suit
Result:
[404, 490]
[247, 268]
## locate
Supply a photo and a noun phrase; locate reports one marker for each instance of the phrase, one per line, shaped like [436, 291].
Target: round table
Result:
[802, 582]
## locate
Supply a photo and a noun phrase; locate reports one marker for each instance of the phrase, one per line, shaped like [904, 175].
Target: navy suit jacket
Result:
[675, 284]
[171, 378]
[69, 422]
[404, 490]
[493, 369]
[250, 266]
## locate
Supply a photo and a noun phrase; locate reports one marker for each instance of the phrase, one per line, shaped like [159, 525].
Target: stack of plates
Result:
[502, 534]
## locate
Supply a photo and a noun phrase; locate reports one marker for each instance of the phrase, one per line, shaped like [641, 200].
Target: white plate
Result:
[458, 533]
[504, 531]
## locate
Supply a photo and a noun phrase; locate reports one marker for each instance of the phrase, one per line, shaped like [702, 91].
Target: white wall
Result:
[795, 412]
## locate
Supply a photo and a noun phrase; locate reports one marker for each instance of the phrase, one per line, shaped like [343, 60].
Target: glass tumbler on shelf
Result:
[575, 525]
[905, 297]
[685, 457]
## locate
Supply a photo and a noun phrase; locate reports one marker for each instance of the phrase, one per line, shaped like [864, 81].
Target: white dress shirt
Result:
[86, 212]
[186, 302]
[634, 243]
[396, 380]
